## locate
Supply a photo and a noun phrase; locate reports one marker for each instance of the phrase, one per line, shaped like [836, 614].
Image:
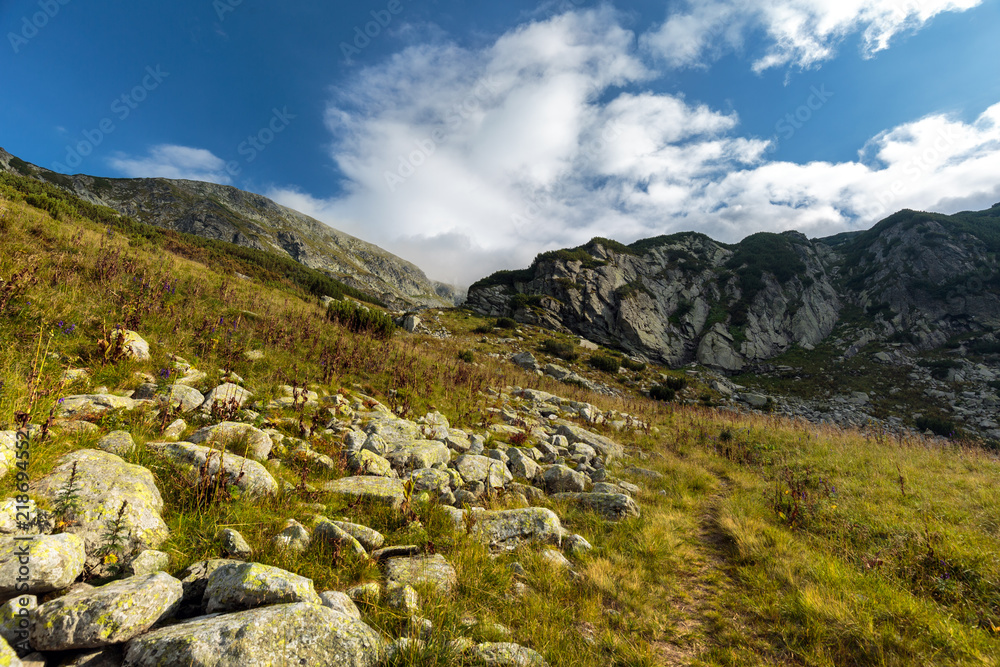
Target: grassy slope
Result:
[766, 541]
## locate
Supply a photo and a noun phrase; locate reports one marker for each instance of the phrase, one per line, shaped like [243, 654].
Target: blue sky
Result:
[467, 137]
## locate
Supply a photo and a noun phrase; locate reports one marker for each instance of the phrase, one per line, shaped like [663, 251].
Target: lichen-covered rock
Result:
[380, 490]
[119, 443]
[331, 533]
[172, 397]
[606, 447]
[507, 529]
[430, 479]
[108, 656]
[130, 343]
[367, 462]
[224, 396]
[403, 599]
[12, 518]
[559, 478]
[234, 545]
[418, 571]
[504, 654]
[109, 614]
[419, 454]
[8, 656]
[609, 506]
[341, 602]
[241, 439]
[16, 616]
[293, 536]
[105, 481]
[92, 404]
[284, 634]
[236, 586]
[368, 537]
[149, 561]
[174, 430]
[194, 579]
[476, 468]
[521, 465]
[251, 477]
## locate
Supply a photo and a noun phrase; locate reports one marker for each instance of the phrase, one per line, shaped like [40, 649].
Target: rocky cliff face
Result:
[918, 277]
[228, 214]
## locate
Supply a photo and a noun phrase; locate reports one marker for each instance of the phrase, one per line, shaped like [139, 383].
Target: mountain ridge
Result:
[226, 213]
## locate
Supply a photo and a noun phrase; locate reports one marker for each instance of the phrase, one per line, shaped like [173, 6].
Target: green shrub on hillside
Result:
[605, 362]
[661, 393]
[560, 349]
[361, 319]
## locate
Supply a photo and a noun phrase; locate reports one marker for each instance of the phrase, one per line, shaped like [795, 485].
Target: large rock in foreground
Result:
[109, 614]
[286, 634]
[248, 475]
[105, 481]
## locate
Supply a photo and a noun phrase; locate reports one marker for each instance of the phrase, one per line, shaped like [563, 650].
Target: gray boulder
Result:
[284, 634]
[224, 396]
[119, 443]
[367, 462]
[237, 586]
[242, 439]
[52, 562]
[105, 482]
[433, 571]
[604, 446]
[505, 654]
[249, 476]
[378, 490]
[340, 602]
[148, 562]
[508, 529]
[609, 506]
[92, 404]
[234, 545]
[477, 468]
[331, 533]
[419, 454]
[109, 614]
[559, 479]
[369, 538]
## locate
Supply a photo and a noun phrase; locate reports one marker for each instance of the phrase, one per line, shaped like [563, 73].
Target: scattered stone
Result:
[224, 396]
[430, 479]
[507, 529]
[576, 546]
[403, 599]
[12, 513]
[559, 479]
[505, 655]
[331, 533]
[396, 551]
[476, 468]
[283, 634]
[610, 506]
[234, 545]
[340, 602]
[415, 571]
[293, 536]
[91, 404]
[175, 430]
[367, 462]
[16, 616]
[119, 443]
[378, 490]
[148, 562]
[108, 614]
[194, 579]
[369, 538]
[242, 439]
[236, 586]
[249, 476]
[369, 593]
[419, 454]
[606, 447]
[555, 558]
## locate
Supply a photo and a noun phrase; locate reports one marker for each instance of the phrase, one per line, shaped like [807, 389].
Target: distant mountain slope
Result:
[226, 213]
[916, 277]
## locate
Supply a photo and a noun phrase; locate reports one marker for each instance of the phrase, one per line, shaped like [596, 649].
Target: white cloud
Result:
[169, 161]
[801, 33]
[468, 161]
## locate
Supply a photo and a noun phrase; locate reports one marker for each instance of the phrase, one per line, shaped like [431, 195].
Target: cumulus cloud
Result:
[170, 161]
[467, 161]
[799, 33]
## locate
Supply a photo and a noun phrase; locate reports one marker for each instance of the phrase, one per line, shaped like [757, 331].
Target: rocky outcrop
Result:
[921, 278]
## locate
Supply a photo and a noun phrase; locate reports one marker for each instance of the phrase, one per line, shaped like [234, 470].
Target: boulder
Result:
[194, 579]
[236, 586]
[8, 656]
[508, 529]
[242, 439]
[340, 602]
[249, 476]
[175, 396]
[477, 468]
[12, 518]
[119, 443]
[283, 634]
[525, 360]
[418, 571]
[504, 654]
[225, 396]
[331, 533]
[366, 462]
[609, 506]
[419, 454]
[15, 619]
[148, 562]
[130, 343]
[234, 544]
[378, 490]
[604, 446]
[293, 536]
[369, 538]
[559, 478]
[430, 479]
[104, 483]
[92, 404]
[108, 614]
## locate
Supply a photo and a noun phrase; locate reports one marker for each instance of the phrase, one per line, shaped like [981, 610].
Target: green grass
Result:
[883, 551]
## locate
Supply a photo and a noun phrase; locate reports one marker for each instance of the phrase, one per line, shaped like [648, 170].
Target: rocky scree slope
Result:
[234, 611]
[225, 213]
[919, 278]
